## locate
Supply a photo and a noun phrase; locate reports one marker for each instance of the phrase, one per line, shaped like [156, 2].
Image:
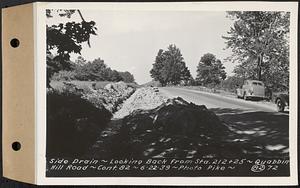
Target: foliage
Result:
[170, 68]
[210, 71]
[73, 124]
[231, 83]
[97, 70]
[66, 38]
[127, 77]
[245, 71]
[259, 42]
[158, 66]
[64, 76]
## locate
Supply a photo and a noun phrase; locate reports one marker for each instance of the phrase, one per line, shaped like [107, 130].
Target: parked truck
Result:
[251, 89]
[281, 99]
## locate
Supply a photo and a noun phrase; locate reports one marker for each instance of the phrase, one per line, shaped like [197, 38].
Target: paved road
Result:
[211, 100]
[252, 121]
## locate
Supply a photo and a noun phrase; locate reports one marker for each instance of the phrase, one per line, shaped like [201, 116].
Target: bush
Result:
[231, 83]
[64, 76]
[73, 124]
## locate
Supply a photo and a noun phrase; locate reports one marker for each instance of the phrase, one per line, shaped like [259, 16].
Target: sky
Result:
[130, 40]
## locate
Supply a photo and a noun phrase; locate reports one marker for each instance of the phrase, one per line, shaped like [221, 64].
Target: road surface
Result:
[253, 121]
[211, 100]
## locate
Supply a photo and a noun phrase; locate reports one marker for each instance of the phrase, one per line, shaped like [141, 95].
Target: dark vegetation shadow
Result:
[73, 124]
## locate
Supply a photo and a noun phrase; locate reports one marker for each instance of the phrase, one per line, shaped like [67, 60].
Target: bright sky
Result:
[130, 40]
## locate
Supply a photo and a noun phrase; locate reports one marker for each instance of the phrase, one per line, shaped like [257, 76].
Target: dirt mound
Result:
[143, 99]
[177, 117]
[176, 128]
[111, 96]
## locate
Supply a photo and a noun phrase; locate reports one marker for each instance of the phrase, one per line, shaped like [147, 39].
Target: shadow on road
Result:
[262, 133]
[249, 134]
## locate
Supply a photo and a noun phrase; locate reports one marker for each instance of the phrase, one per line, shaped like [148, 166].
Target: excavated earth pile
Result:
[176, 128]
[110, 97]
[143, 99]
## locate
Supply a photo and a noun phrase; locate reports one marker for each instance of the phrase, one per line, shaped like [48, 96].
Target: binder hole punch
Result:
[14, 43]
[16, 146]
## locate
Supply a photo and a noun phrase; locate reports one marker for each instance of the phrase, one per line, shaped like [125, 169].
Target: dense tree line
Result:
[169, 67]
[95, 70]
[259, 42]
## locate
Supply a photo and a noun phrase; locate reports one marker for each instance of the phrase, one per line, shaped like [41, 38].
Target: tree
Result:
[245, 71]
[210, 70]
[115, 76]
[169, 67]
[66, 38]
[127, 77]
[186, 77]
[91, 70]
[80, 61]
[260, 38]
[231, 83]
[97, 70]
[156, 71]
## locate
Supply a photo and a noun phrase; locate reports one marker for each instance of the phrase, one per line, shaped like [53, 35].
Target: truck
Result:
[251, 89]
[281, 99]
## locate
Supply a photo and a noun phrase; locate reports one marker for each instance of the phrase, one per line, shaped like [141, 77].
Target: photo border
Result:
[40, 70]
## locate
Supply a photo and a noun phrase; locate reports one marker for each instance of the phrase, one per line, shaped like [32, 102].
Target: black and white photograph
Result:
[167, 93]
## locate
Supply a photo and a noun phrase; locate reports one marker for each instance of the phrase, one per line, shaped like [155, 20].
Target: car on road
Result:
[155, 89]
[281, 99]
[251, 89]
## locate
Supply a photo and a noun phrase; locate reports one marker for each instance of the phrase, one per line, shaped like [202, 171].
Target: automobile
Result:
[155, 89]
[251, 89]
[281, 98]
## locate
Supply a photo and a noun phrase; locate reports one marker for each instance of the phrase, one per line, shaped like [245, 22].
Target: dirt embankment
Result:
[151, 125]
[80, 114]
[110, 97]
[146, 98]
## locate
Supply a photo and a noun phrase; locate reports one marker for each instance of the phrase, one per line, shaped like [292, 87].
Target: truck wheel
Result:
[280, 105]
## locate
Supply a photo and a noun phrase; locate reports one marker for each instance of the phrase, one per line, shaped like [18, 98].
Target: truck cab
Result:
[251, 89]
